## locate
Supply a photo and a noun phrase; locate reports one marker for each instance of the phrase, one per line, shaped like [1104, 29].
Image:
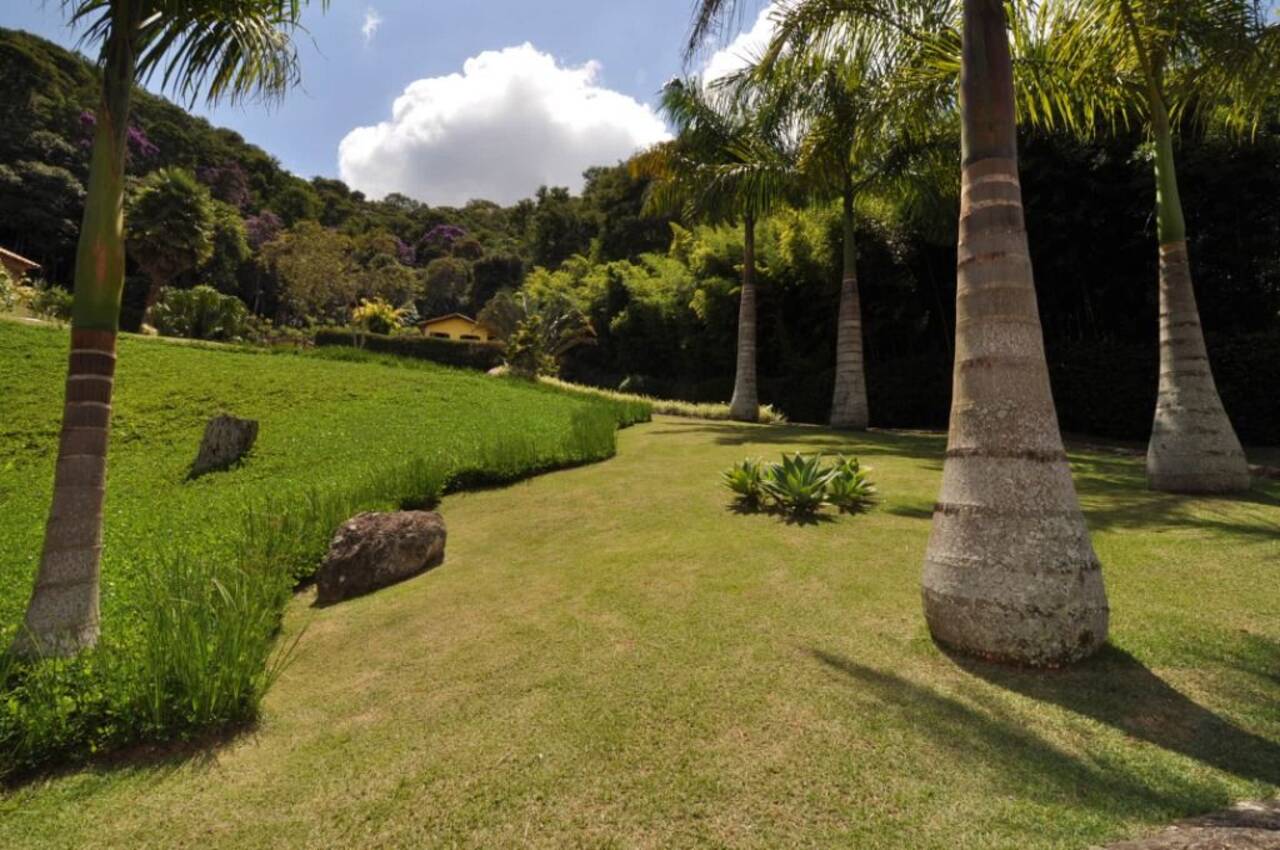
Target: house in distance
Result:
[456, 326]
[16, 265]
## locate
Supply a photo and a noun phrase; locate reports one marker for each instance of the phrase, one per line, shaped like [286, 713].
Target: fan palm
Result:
[1010, 572]
[229, 49]
[725, 164]
[1155, 62]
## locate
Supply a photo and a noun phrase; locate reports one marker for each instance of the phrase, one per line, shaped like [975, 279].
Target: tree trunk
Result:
[62, 616]
[1010, 573]
[745, 406]
[849, 400]
[1193, 447]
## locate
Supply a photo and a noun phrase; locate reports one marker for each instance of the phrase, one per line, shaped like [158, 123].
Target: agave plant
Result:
[746, 479]
[798, 484]
[850, 488]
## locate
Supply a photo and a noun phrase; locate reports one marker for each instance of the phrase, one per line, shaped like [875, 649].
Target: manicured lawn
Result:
[611, 657]
[336, 437]
[324, 425]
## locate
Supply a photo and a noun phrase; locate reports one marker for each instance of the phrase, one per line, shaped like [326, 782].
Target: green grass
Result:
[669, 407]
[336, 437]
[610, 656]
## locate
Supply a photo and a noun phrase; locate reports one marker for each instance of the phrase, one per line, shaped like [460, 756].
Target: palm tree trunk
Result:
[849, 400]
[1010, 573]
[62, 616]
[1193, 447]
[745, 405]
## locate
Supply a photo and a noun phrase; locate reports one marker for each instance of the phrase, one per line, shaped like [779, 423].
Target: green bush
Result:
[11, 294]
[52, 302]
[200, 313]
[376, 316]
[462, 353]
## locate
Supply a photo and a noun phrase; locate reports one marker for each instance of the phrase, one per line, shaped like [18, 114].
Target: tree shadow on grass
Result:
[156, 760]
[1005, 753]
[909, 444]
[1115, 688]
[743, 507]
[1114, 495]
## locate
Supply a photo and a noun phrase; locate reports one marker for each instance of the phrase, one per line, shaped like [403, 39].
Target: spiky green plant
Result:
[746, 480]
[850, 489]
[798, 484]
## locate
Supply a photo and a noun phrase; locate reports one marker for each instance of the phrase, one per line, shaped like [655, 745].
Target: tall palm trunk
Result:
[62, 616]
[1010, 573]
[1193, 447]
[849, 400]
[745, 405]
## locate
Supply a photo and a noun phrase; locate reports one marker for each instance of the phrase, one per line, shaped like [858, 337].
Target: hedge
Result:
[1102, 389]
[462, 353]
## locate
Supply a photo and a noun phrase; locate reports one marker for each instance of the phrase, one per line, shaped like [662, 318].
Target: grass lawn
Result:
[611, 657]
[336, 437]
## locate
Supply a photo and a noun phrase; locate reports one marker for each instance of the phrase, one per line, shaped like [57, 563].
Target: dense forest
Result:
[660, 294]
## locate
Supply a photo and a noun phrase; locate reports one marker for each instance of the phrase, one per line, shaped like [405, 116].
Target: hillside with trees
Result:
[661, 290]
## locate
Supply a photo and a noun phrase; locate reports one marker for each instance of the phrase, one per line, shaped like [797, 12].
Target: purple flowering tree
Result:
[228, 183]
[262, 228]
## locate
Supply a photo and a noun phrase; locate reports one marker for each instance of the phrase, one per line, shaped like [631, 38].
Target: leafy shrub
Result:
[200, 313]
[376, 316]
[463, 353]
[538, 332]
[52, 302]
[746, 479]
[13, 293]
[800, 484]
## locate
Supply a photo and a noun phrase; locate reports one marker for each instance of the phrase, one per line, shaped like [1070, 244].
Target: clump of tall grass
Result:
[669, 407]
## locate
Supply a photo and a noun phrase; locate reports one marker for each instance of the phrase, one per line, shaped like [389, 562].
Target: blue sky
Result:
[551, 86]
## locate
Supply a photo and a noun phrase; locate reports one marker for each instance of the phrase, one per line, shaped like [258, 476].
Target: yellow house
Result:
[16, 265]
[456, 326]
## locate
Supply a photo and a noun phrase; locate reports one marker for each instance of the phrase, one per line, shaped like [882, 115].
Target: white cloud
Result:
[372, 20]
[743, 50]
[513, 120]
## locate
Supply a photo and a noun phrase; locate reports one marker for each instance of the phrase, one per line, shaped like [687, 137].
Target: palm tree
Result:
[1010, 573]
[1154, 61]
[230, 49]
[867, 120]
[725, 164]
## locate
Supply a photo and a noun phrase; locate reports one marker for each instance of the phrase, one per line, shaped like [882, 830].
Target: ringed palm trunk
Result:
[1193, 447]
[745, 405]
[62, 616]
[849, 400]
[1010, 573]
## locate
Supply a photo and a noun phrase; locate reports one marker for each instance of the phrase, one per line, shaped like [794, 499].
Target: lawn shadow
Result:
[1114, 495]
[1022, 764]
[1116, 689]
[909, 444]
[157, 760]
[743, 507]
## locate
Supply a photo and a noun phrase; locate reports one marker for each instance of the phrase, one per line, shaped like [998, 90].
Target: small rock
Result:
[373, 550]
[226, 440]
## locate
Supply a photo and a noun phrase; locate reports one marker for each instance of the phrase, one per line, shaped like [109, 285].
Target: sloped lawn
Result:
[336, 437]
[611, 657]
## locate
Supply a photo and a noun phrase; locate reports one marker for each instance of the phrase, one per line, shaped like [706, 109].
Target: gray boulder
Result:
[226, 440]
[373, 550]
